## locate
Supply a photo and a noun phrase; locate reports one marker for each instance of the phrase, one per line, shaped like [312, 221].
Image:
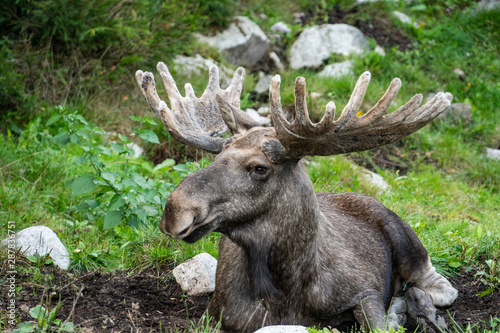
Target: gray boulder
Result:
[197, 65]
[243, 42]
[337, 70]
[264, 83]
[315, 44]
[41, 240]
[196, 276]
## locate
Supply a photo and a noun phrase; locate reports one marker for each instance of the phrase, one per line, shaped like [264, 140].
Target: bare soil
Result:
[151, 301]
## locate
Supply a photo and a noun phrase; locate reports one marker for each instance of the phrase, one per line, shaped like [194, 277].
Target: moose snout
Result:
[181, 215]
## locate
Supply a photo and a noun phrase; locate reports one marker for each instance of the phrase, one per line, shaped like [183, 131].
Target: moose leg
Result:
[436, 286]
[422, 312]
[370, 313]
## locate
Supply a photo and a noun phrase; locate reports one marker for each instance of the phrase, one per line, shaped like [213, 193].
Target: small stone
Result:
[281, 28]
[262, 121]
[299, 18]
[457, 112]
[459, 72]
[380, 50]
[493, 154]
[264, 110]
[137, 150]
[375, 180]
[405, 19]
[315, 95]
[196, 276]
[337, 70]
[264, 83]
[276, 60]
[282, 329]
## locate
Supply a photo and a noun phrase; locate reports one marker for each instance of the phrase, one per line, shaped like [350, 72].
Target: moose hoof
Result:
[422, 312]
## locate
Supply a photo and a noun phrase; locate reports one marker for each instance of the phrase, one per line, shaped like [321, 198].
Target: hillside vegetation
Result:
[70, 112]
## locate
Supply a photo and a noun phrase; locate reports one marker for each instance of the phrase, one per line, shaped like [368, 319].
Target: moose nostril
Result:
[184, 232]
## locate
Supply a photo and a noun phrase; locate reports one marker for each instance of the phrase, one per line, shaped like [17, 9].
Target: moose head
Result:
[288, 255]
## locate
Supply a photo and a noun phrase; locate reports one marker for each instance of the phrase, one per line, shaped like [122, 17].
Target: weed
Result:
[490, 278]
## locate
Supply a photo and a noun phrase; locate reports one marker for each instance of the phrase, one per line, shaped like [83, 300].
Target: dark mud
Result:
[151, 301]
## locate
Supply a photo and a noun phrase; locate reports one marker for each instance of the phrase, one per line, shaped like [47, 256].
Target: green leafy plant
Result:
[39, 260]
[490, 278]
[46, 321]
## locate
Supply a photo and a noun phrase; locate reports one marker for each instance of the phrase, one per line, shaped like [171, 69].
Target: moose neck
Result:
[282, 240]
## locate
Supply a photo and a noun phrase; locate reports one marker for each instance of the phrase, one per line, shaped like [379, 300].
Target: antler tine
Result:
[189, 119]
[349, 113]
[350, 133]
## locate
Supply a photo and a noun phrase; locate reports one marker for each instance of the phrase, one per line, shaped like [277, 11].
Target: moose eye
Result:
[261, 170]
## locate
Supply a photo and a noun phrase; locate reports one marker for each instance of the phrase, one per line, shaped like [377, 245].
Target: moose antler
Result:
[192, 120]
[350, 132]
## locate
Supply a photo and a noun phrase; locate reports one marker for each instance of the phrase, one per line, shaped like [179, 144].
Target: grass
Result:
[450, 194]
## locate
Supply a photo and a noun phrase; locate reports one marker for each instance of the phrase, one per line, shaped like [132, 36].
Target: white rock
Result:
[276, 60]
[315, 44]
[196, 276]
[375, 180]
[264, 110]
[137, 150]
[380, 50]
[459, 72]
[315, 95]
[337, 70]
[493, 154]
[405, 19]
[197, 65]
[281, 28]
[42, 240]
[243, 42]
[264, 83]
[282, 329]
[262, 121]
[488, 4]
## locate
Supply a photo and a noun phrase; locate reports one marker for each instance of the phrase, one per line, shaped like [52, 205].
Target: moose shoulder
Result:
[287, 254]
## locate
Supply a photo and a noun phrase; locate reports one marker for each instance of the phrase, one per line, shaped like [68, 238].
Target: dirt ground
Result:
[151, 301]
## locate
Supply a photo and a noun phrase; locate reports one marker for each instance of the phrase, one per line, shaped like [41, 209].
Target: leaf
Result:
[104, 150]
[454, 262]
[61, 138]
[149, 136]
[109, 176]
[135, 118]
[81, 119]
[112, 219]
[116, 202]
[165, 164]
[53, 119]
[84, 184]
[487, 292]
[150, 121]
[38, 311]
[150, 210]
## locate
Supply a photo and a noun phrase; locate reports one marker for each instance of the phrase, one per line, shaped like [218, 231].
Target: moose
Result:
[288, 255]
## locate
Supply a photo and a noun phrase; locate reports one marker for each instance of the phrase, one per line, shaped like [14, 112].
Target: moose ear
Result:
[236, 120]
[274, 151]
